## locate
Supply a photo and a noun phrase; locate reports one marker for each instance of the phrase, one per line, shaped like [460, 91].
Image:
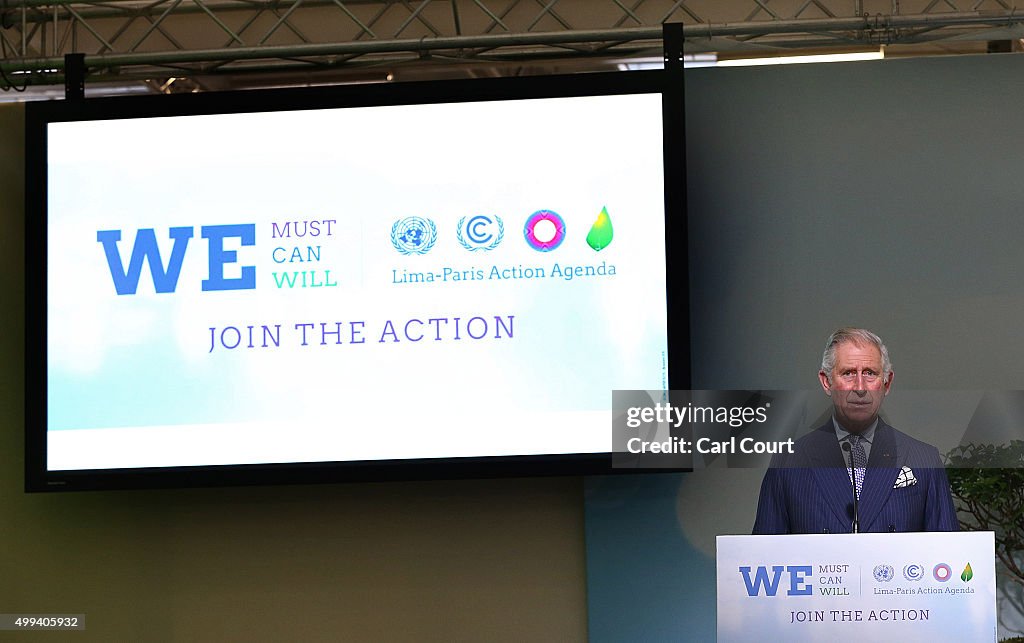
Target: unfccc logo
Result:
[913, 572]
[481, 232]
[544, 230]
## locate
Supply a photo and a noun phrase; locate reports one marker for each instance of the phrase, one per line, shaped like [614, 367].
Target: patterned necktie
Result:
[860, 461]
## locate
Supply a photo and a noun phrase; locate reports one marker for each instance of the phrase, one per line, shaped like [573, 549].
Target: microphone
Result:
[853, 481]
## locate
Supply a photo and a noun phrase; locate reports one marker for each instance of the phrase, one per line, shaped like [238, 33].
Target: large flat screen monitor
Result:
[425, 280]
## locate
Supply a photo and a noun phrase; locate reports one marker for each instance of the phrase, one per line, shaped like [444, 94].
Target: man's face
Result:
[857, 385]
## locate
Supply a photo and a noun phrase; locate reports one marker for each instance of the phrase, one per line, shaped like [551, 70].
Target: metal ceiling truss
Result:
[181, 38]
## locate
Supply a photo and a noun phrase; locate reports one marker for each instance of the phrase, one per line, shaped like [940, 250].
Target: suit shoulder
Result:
[808, 449]
[917, 450]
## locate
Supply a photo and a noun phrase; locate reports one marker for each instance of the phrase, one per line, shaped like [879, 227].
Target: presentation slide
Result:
[393, 282]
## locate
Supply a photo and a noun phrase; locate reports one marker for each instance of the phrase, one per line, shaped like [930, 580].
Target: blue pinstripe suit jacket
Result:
[809, 491]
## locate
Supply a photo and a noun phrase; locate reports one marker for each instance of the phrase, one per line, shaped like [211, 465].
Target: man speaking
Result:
[855, 473]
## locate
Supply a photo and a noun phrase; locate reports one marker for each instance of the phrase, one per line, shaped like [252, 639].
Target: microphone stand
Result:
[853, 481]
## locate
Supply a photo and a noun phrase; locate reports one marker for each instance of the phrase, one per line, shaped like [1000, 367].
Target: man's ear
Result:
[887, 382]
[825, 384]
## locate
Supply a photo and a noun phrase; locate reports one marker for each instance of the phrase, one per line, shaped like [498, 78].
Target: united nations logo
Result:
[413, 235]
[913, 572]
[481, 232]
[884, 573]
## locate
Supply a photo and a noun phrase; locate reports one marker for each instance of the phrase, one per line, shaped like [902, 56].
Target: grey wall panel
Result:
[885, 194]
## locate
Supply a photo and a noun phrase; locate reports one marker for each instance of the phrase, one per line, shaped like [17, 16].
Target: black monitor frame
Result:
[38, 115]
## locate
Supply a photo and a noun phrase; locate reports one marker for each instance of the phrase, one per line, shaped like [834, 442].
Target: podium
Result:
[937, 586]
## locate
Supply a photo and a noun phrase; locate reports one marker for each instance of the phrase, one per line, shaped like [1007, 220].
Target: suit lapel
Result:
[831, 473]
[883, 467]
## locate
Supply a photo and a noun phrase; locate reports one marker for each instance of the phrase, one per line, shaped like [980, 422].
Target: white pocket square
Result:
[905, 479]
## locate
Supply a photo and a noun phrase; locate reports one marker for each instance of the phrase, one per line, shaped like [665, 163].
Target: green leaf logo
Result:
[967, 574]
[600, 235]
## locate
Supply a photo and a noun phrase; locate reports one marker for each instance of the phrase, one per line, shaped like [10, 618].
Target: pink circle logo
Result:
[942, 572]
[544, 230]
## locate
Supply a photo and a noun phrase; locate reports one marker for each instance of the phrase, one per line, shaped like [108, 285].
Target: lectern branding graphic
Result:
[769, 582]
[840, 579]
[967, 574]
[884, 573]
[913, 572]
[845, 587]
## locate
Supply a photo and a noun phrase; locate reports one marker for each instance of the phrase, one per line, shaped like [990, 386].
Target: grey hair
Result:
[857, 336]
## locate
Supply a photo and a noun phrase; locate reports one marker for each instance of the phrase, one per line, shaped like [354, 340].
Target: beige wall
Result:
[494, 560]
